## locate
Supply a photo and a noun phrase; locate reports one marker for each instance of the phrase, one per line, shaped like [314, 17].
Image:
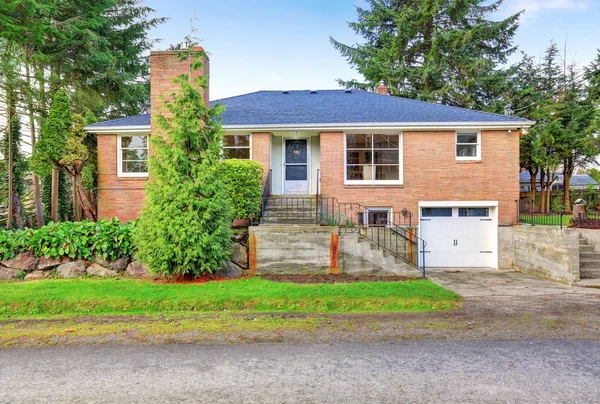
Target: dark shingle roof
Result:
[138, 120]
[332, 106]
[579, 179]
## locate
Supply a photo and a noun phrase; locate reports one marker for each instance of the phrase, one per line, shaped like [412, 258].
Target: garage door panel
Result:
[458, 241]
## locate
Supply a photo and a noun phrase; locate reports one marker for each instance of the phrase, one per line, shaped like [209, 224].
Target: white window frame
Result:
[120, 172]
[378, 208]
[477, 146]
[240, 147]
[400, 179]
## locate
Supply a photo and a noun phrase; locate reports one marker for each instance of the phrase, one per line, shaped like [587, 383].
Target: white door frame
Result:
[493, 205]
[308, 162]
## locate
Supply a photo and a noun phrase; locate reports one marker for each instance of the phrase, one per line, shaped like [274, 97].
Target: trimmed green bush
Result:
[109, 240]
[243, 179]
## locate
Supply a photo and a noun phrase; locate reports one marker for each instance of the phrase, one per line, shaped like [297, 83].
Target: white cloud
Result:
[533, 6]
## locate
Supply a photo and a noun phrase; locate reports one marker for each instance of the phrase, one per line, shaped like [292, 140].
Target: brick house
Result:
[455, 169]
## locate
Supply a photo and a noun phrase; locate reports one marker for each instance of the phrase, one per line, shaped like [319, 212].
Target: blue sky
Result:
[284, 44]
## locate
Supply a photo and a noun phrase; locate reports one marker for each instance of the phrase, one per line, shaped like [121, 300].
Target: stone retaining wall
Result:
[544, 251]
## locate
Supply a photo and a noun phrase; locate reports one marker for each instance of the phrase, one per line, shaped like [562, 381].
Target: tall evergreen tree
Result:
[184, 227]
[19, 171]
[434, 50]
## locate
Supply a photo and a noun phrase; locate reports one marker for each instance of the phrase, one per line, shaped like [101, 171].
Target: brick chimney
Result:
[164, 67]
[382, 89]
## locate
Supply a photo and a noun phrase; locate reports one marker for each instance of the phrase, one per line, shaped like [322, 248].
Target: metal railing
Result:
[528, 213]
[391, 235]
[265, 195]
[588, 220]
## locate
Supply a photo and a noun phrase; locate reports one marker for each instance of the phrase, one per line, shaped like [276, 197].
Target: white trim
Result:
[240, 147]
[477, 156]
[120, 173]
[399, 181]
[401, 126]
[493, 205]
[115, 130]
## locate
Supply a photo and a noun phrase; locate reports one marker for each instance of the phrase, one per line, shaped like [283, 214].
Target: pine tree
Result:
[19, 171]
[434, 50]
[184, 227]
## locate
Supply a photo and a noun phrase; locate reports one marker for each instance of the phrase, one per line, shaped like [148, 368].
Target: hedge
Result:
[108, 240]
[243, 179]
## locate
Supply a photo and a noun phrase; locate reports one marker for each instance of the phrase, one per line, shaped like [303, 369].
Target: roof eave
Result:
[337, 126]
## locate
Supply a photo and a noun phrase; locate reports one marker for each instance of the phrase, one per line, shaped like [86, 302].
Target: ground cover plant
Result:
[107, 239]
[76, 297]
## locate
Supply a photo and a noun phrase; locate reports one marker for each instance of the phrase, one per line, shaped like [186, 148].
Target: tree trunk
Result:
[54, 193]
[17, 210]
[543, 194]
[36, 180]
[533, 181]
[568, 168]
[86, 204]
[76, 204]
[10, 161]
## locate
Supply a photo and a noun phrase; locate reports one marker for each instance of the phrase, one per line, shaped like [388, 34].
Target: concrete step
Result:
[583, 241]
[589, 263]
[589, 273]
[585, 248]
[589, 255]
[288, 221]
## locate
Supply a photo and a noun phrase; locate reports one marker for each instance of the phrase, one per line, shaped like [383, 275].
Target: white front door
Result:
[458, 236]
[295, 166]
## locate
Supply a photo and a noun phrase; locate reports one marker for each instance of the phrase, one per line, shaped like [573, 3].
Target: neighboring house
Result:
[577, 182]
[452, 168]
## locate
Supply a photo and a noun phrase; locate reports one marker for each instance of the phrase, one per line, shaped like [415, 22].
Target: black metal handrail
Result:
[390, 236]
[265, 195]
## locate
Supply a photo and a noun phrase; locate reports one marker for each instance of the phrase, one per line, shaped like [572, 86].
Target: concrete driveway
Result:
[474, 283]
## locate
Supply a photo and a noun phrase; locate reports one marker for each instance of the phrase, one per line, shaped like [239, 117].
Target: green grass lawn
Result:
[78, 297]
[550, 220]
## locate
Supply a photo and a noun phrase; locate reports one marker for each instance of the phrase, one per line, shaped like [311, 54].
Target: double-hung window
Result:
[373, 159]
[132, 158]
[237, 147]
[468, 146]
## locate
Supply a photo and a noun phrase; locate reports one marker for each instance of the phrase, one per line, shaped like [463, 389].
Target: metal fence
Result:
[528, 213]
[587, 220]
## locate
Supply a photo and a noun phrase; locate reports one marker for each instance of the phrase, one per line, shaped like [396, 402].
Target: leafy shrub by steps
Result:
[109, 240]
[243, 179]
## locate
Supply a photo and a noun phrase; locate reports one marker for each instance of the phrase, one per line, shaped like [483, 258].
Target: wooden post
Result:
[54, 202]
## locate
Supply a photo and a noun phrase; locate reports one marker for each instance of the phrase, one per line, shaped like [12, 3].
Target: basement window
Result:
[132, 156]
[237, 147]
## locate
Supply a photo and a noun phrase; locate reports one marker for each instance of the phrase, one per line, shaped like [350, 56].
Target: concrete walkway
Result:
[481, 283]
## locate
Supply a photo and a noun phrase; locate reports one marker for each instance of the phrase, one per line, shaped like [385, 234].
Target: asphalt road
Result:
[416, 371]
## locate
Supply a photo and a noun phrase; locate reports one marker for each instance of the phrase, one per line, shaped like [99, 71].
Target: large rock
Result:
[7, 274]
[120, 264]
[48, 263]
[117, 265]
[239, 255]
[99, 270]
[37, 275]
[137, 270]
[23, 261]
[230, 270]
[71, 269]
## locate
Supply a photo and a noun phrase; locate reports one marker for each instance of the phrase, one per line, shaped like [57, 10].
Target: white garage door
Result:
[457, 236]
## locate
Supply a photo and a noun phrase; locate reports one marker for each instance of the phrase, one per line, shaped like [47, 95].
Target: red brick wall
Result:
[117, 197]
[432, 173]
[261, 149]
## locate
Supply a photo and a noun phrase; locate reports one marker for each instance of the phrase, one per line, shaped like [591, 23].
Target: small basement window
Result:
[468, 146]
[132, 157]
[237, 147]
